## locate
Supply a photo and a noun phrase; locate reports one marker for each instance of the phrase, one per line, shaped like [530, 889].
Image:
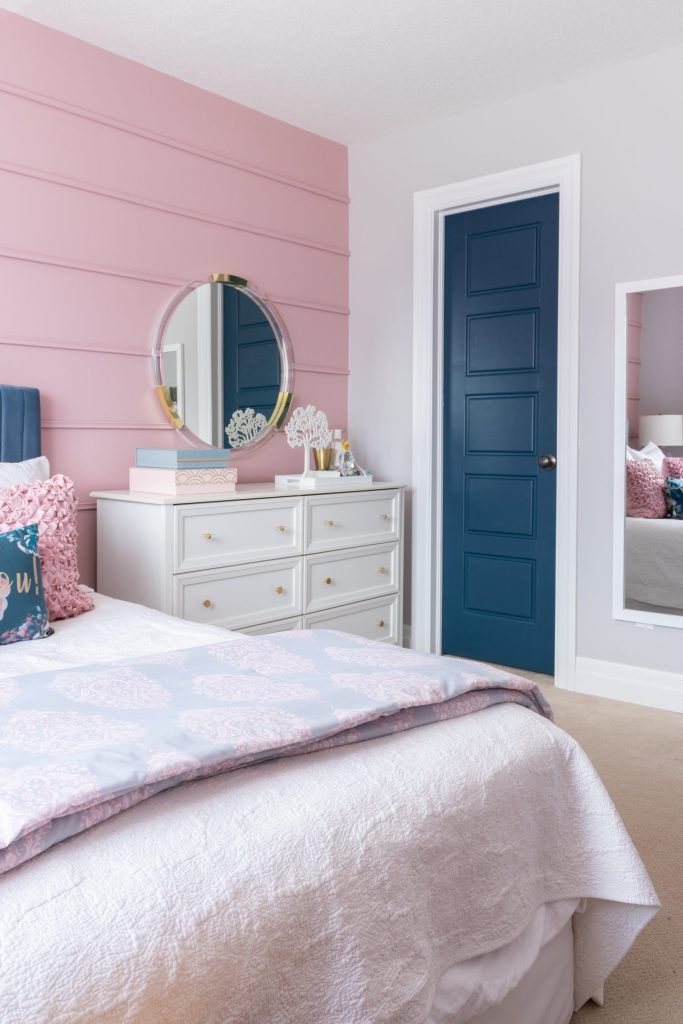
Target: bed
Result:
[653, 557]
[472, 870]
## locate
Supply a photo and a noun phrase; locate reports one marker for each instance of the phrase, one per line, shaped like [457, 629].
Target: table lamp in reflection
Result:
[664, 429]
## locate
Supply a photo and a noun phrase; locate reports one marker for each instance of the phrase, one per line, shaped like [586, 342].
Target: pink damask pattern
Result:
[645, 496]
[407, 688]
[52, 505]
[379, 655]
[31, 796]
[121, 686]
[169, 763]
[249, 730]
[60, 732]
[261, 655]
[251, 688]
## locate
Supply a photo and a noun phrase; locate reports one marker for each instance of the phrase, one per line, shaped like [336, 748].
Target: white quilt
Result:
[653, 562]
[333, 888]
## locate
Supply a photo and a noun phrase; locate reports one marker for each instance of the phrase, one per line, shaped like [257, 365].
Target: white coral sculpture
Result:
[244, 427]
[308, 427]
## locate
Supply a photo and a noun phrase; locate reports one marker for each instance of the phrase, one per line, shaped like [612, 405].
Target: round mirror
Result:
[222, 364]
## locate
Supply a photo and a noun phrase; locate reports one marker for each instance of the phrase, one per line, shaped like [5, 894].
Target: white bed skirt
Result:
[653, 550]
[529, 981]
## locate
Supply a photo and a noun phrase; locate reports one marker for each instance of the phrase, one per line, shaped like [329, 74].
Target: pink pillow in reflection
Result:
[673, 466]
[52, 505]
[645, 498]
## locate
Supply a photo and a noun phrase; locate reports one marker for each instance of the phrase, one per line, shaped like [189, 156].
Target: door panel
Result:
[500, 398]
[251, 359]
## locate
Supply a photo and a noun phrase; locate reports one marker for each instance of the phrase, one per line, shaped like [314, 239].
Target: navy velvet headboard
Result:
[19, 423]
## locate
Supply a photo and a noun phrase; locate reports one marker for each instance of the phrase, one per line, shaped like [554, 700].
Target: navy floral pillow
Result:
[674, 494]
[23, 612]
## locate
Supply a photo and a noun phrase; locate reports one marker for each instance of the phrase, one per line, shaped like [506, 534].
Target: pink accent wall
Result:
[117, 186]
[634, 323]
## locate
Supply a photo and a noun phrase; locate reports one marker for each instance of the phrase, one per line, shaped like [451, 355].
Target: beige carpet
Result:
[638, 753]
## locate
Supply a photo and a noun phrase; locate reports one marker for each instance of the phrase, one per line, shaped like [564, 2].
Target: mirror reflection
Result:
[222, 354]
[653, 534]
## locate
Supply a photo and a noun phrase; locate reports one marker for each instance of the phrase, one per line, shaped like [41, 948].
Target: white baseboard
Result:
[650, 687]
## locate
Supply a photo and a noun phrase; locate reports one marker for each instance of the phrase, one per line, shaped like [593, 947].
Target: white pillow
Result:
[27, 472]
[650, 451]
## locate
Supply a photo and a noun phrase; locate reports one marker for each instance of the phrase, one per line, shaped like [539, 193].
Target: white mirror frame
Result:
[279, 330]
[619, 610]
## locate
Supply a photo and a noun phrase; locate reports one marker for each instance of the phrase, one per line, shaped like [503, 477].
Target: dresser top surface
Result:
[241, 492]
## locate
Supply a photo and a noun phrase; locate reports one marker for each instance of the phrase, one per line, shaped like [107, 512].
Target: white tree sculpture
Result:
[244, 426]
[309, 428]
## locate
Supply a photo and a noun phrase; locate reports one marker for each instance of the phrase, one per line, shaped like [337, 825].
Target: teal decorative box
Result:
[182, 458]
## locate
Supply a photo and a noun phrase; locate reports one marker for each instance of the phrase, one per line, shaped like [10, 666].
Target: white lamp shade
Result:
[665, 429]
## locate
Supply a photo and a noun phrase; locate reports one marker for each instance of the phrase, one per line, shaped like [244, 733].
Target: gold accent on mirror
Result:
[169, 407]
[279, 414]
[233, 279]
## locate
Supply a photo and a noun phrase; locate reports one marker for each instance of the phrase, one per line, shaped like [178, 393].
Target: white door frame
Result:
[430, 209]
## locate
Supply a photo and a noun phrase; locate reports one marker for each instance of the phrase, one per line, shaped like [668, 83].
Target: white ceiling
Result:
[356, 69]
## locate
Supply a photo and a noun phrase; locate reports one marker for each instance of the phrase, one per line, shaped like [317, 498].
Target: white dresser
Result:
[260, 559]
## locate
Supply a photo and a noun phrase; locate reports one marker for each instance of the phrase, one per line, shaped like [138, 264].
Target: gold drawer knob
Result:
[207, 603]
[384, 515]
[280, 529]
[329, 522]
[328, 580]
[381, 570]
[380, 623]
[207, 536]
[279, 590]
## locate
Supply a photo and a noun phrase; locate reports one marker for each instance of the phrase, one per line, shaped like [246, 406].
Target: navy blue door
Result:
[500, 412]
[251, 359]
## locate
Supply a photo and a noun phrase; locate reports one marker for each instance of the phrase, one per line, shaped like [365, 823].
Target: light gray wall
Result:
[661, 352]
[625, 121]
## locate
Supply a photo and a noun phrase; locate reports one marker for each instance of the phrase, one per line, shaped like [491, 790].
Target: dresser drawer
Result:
[281, 626]
[376, 620]
[347, 520]
[340, 578]
[241, 596]
[235, 532]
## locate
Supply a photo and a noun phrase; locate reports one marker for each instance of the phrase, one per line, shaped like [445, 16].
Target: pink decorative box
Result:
[176, 482]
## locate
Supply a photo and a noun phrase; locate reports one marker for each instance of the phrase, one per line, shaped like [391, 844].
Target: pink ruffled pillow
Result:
[673, 466]
[52, 505]
[645, 497]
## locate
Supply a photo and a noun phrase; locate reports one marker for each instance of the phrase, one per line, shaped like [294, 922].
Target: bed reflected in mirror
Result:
[648, 583]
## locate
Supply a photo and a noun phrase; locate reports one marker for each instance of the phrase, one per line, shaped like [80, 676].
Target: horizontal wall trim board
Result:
[87, 506]
[168, 208]
[68, 425]
[134, 275]
[166, 140]
[49, 260]
[633, 684]
[71, 346]
[310, 368]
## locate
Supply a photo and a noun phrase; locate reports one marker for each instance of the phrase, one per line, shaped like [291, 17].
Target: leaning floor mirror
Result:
[648, 493]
